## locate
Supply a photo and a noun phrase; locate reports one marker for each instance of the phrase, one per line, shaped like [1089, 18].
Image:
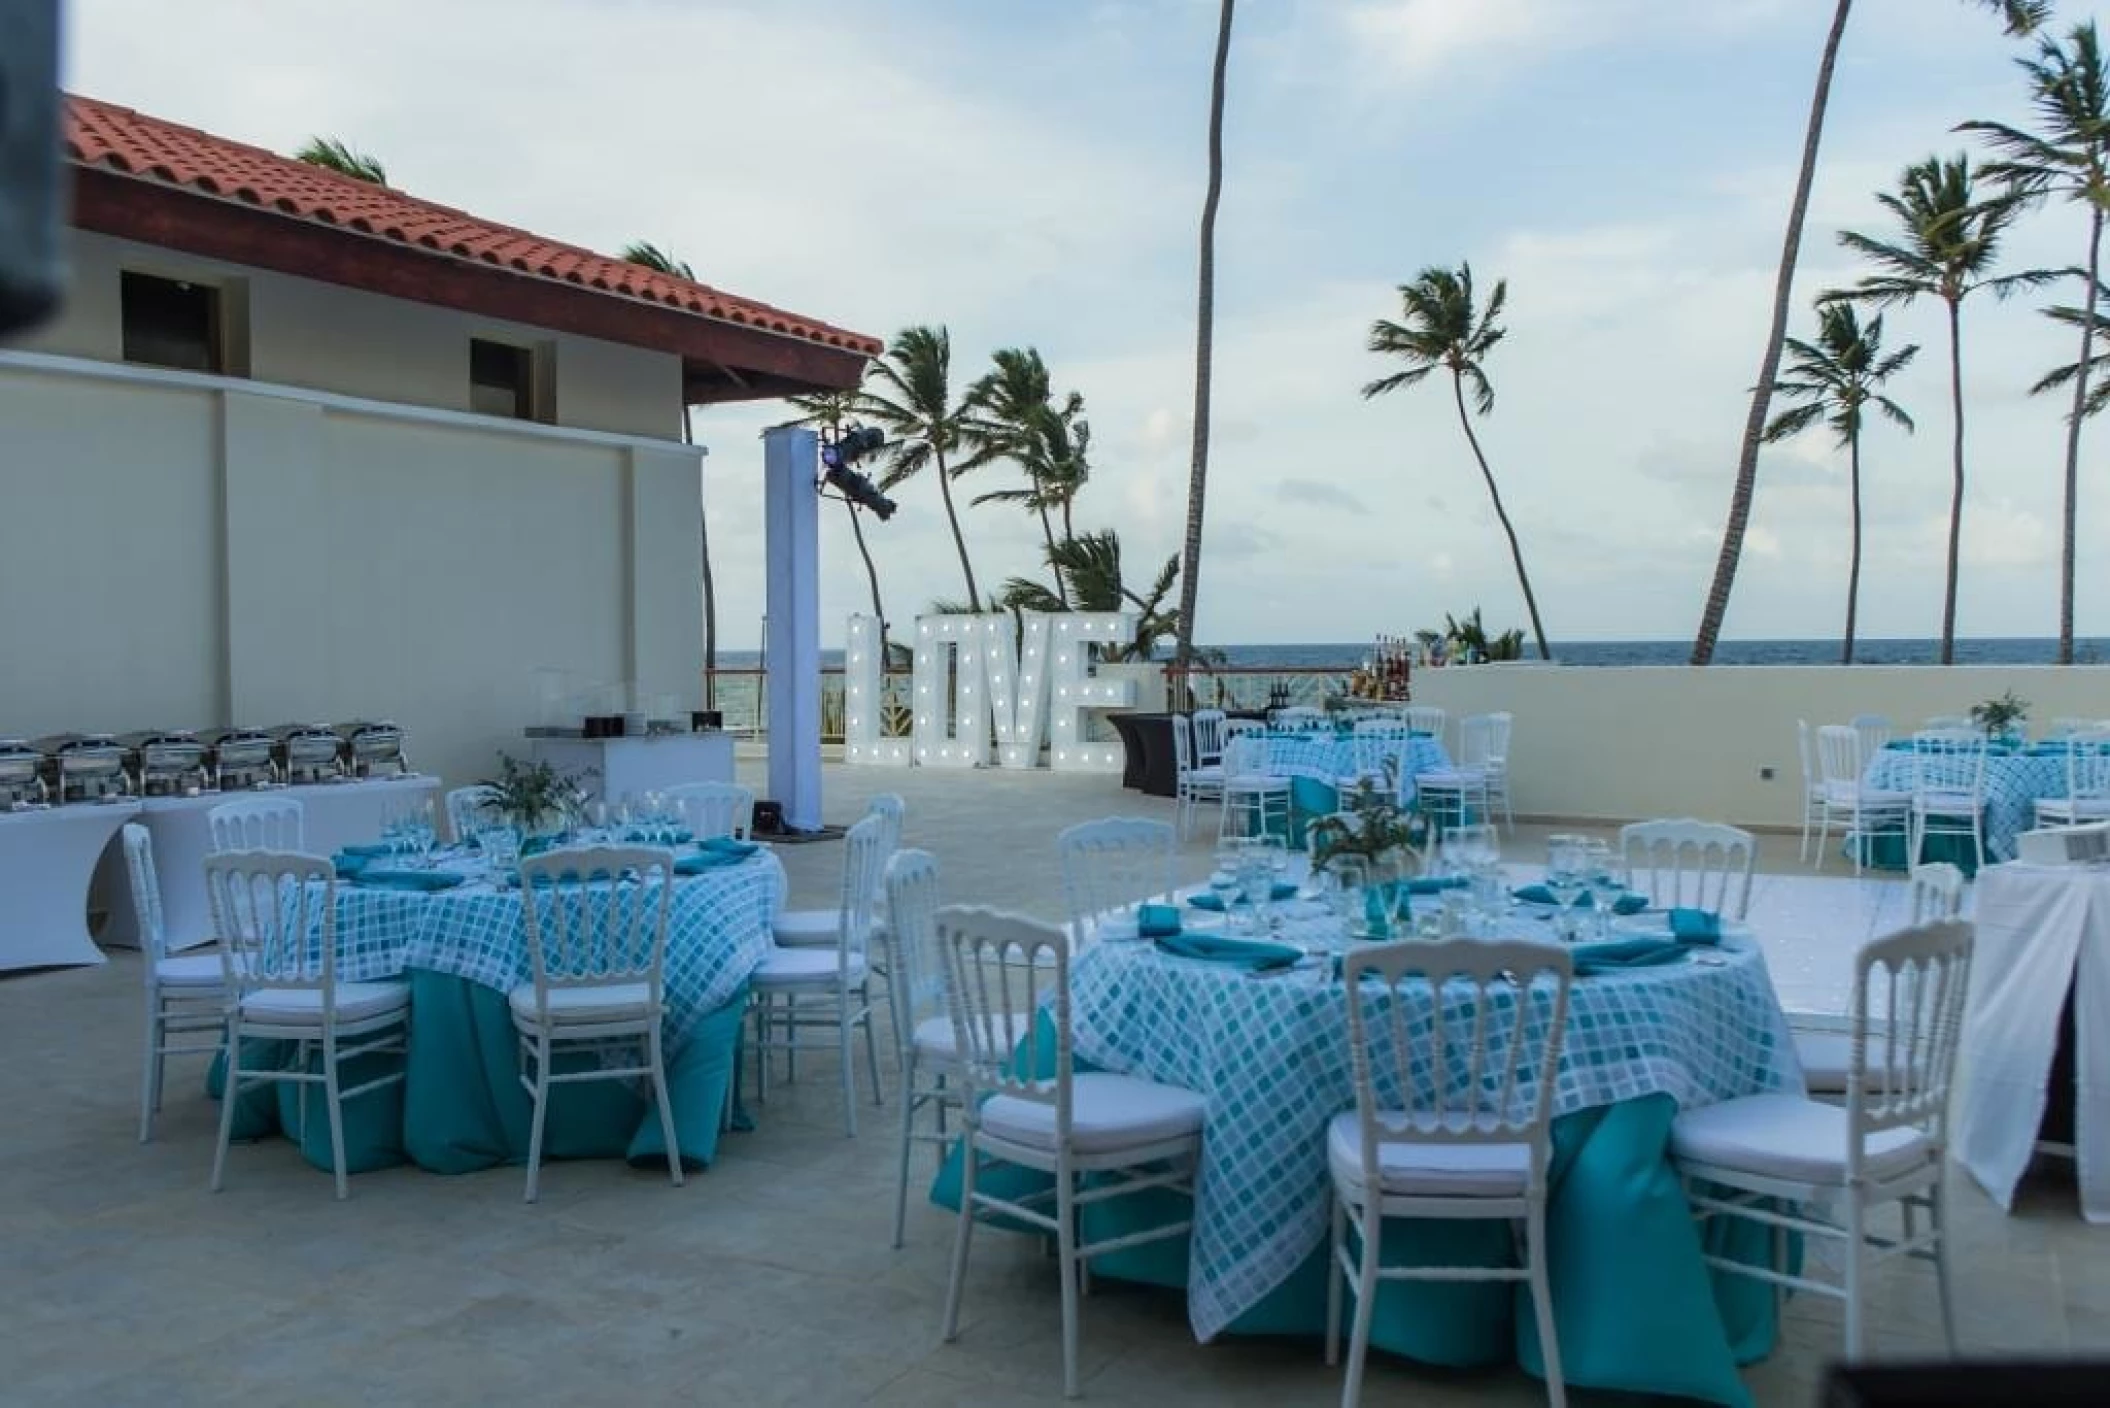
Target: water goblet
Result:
[1223, 876]
[1606, 881]
[1565, 870]
[1346, 878]
[501, 851]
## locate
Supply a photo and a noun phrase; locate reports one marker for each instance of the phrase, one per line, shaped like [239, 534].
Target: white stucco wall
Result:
[1622, 744]
[180, 551]
[329, 338]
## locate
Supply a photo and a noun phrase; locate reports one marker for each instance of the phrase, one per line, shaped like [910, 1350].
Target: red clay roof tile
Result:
[101, 134]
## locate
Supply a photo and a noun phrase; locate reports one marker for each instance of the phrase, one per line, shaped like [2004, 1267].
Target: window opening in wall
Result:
[502, 380]
[172, 323]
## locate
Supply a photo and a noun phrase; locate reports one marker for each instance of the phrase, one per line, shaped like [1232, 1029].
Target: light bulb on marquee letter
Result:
[1075, 690]
[864, 699]
[956, 641]
[1016, 688]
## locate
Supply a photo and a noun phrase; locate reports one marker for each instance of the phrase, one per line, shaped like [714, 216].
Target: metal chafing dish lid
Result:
[15, 745]
[161, 737]
[77, 744]
[284, 732]
[366, 728]
[236, 734]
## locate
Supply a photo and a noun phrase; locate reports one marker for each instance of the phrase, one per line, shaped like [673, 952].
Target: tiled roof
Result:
[106, 136]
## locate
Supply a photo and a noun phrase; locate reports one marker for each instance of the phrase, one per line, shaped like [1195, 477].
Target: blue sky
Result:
[1032, 174]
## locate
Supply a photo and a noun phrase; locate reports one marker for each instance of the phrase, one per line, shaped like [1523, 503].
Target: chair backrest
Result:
[146, 895]
[1703, 864]
[1500, 724]
[1246, 754]
[1299, 716]
[596, 916]
[1426, 718]
[1376, 742]
[1937, 892]
[865, 856]
[892, 813]
[714, 809]
[1182, 745]
[1948, 760]
[275, 913]
[258, 824]
[996, 965]
[1907, 1011]
[465, 810]
[2088, 764]
[1806, 752]
[1239, 728]
[1208, 735]
[1455, 1041]
[916, 970]
[1839, 754]
[1874, 730]
[1111, 864]
[1476, 741]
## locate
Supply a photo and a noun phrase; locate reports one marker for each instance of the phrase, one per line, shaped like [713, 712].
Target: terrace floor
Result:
[767, 1279]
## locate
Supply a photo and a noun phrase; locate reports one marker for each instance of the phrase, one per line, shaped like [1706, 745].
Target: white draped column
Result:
[791, 472]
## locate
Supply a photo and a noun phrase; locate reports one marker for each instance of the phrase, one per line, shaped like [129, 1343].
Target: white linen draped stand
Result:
[2042, 930]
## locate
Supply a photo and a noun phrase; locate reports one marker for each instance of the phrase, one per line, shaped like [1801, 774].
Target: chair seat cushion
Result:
[1107, 1113]
[806, 928]
[303, 1006]
[1789, 1138]
[190, 970]
[1256, 782]
[805, 967]
[1849, 794]
[937, 1040]
[1429, 1170]
[2097, 807]
[1947, 803]
[1209, 774]
[608, 1002]
[1826, 1059]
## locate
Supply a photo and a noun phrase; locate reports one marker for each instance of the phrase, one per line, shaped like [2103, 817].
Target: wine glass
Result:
[1565, 871]
[1223, 876]
[1607, 881]
[1346, 879]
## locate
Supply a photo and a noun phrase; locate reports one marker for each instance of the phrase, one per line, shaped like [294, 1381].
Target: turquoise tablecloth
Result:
[1636, 1306]
[1315, 762]
[2014, 781]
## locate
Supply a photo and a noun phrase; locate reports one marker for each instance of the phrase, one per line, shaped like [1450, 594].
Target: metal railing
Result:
[742, 696]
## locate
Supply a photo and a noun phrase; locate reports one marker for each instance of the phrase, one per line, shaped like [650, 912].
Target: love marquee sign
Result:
[982, 685]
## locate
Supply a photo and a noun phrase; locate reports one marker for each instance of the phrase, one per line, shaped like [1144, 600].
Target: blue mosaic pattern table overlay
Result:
[2013, 783]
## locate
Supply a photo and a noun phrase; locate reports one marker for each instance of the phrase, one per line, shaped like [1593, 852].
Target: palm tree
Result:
[1204, 345]
[651, 256]
[2098, 365]
[335, 155]
[1950, 238]
[2068, 156]
[1444, 328]
[2020, 17]
[1089, 566]
[1835, 377]
[914, 405]
[1012, 416]
[833, 409]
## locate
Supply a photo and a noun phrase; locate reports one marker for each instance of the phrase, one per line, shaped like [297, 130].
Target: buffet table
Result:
[2043, 935]
[47, 858]
[334, 815]
[461, 1106]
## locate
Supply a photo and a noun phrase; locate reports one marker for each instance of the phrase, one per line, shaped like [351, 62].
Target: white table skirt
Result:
[336, 814]
[46, 860]
[2041, 931]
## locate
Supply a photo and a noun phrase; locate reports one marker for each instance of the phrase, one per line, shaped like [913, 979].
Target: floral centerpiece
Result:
[533, 797]
[1999, 717]
[1372, 826]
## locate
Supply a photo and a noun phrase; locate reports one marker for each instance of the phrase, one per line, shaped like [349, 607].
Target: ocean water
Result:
[1344, 656]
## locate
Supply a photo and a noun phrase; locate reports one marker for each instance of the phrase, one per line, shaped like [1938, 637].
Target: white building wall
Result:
[1624, 744]
[183, 551]
[326, 337]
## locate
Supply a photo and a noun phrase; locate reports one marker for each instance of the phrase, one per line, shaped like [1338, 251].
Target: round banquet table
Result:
[2014, 781]
[1316, 761]
[461, 1106]
[46, 858]
[1636, 1307]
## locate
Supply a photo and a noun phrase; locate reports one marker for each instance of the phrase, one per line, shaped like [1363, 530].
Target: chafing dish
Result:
[241, 758]
[165, 762]
[83, 767]
[21, 779]
[371, 747]
[306, 752]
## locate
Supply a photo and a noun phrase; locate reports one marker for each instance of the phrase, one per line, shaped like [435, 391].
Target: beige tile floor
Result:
[767, 1279]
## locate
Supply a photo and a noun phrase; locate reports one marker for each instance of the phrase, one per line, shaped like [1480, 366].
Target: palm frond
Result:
[334, 154]
[651, 256]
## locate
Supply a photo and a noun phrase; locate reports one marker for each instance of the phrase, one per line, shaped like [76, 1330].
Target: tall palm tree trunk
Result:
[1204, 347]
[1516, 553]
[1853, 559]
[1948, 607]
[2073, 435]
[857, 527]
[959, 541]
[1047, 531]
[1769, 366]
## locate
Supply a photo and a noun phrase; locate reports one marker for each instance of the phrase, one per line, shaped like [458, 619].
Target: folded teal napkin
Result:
[1209, 899]
[728, 846]
[350, 862]
[1539, 894]
[382, 877]
[696, 862]
[1157, 921]
[367, 849]
[1251, 955]
[1436, 884]
[1616, 955]
[1696, 926]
